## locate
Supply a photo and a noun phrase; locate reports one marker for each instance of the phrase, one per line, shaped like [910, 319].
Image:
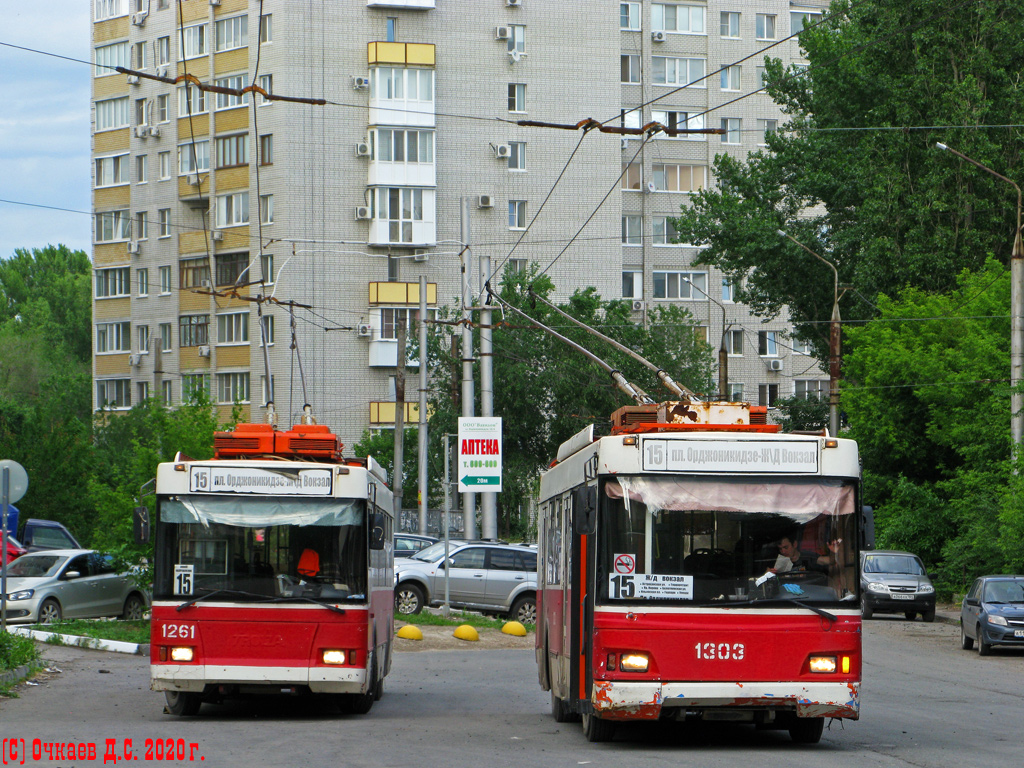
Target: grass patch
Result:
[104, 629]
[15, 651]
[455, 619]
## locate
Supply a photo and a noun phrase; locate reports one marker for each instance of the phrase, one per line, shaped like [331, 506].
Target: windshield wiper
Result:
[783, 599]
[261, 598]
[312, 600]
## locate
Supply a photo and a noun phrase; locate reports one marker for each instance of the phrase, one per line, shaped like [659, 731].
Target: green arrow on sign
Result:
[480, 480]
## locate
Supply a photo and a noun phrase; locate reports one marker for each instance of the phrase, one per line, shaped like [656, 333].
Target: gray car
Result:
[486, 577]
[895, 582]
[44, 587]
[993, 613]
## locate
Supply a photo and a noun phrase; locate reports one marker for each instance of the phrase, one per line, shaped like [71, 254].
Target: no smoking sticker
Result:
[625, 564]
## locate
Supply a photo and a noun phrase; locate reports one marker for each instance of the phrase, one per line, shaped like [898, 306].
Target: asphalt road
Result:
[925, 703]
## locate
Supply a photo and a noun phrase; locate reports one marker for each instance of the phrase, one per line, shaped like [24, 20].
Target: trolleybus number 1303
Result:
[721, 651]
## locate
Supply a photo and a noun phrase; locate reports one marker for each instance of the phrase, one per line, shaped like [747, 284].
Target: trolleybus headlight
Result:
[181, 653]
[824, 664]
[335, 657]
[634, 662]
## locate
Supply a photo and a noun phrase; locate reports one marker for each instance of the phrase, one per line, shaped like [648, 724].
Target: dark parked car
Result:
[408, 544]
[993, 613]
[37, 535]
[895, 582]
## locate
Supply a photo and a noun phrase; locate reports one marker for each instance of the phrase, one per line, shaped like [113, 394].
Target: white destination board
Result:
[754, 456]
[648, 586]
[303, 482]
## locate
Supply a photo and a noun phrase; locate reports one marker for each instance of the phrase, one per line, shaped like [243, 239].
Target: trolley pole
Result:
[468, 395]
[422, 437]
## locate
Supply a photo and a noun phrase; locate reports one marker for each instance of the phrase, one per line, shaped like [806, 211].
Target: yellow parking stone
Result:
[514, 628]
[466, 632]
[410, 632]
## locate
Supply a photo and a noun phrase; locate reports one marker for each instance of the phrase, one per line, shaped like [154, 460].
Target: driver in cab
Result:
[791, 559]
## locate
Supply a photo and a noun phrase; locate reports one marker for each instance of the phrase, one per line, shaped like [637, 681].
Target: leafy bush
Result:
[15, 651]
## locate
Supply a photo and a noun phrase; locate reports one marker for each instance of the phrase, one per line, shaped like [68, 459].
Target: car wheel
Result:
[183, 704]
[984, 649]
[596, 729]
[409, 599]
[134, 608]
[807, 730]
[49, 612]
[967, 643]
[524, 610]
[928, 615]
[911, 615]
[865, 609]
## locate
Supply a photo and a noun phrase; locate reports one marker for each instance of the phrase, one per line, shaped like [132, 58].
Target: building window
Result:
[267, 265]
[167, 392]
[193, 41]
[141, 112]
[232, 209]
[166, 342]
[400, 207]
[731, 78]
[517, 266]
[673, 71]
[632, 230]
[114, 393]
[164, 222]
[113, 282]
[142, 390]
[632, 284]
[390, 317]
[734, 342]
[764, 127]
[678, 178]
[139, 56]
[263, 388]
[517, 156]
[677, 121]
[629, 67]
[191, 101]
[678, 18]
[680, 285]
[112, 171]
[266, 209]
[765, 26]
[802, 347]
[767, 394]
[142, 225]
[517, 97]
[730, 24]
[230, 267]
[113, 337]
[266, 149]
[266, 28]
[632, 176]
[232, 387]
[112, 114]
[112, 226]
[630, 118]
[109, 9]
[731, 126]
[164, 161]
[267, 332]
[165, 280]
[811, 390]
[664, 231]
[142, 278]
[762, 77]
[142, 335]
[401, 84]
[232, 33]
[141, 169]
[231, 100]
[232, 150]
[728, 290]
[193, 157]
[194, 273]
[403, 146]
[800, 19]
[110, 56]
[193, 330]
[267, 84]
[735, 392]
[192, 384]
[767, 343]
[629, 16]
[233, 328]
[517, 40]
[163, 51]
[517, 214]
[391, 29]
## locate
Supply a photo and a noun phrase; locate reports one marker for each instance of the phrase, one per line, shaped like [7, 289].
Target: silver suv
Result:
[482, 576]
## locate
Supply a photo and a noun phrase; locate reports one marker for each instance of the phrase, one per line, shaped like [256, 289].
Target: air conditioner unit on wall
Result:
[204, 351]
[217, 235]
[485, 201]
[638, 306]
[154, 132]
[362, 212]
[363, 329]
[774, 365]
[193, 179]
[658, 37]
[139, 19]
[161, 71]
[502, 150]
[134, 247]
[360, 81]
[134, 359]
[513, 3]
[421, 255]
[133, 79]
[362, 149]
[502, 33]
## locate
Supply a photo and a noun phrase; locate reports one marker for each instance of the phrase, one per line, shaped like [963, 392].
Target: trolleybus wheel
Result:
[49, 612]
[134, 608]
[596, 729]
[984, 649]
[560, 710]
[361, 703]
[865, 609]
[409, 598]
[524, 610]
[807, 730]
[183, 704]
[967, 643]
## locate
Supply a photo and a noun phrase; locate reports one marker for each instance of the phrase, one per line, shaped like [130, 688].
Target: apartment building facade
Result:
[222, 217]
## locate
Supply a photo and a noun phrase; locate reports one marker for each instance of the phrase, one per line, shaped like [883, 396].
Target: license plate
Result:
[902, 597]
[1018, 633]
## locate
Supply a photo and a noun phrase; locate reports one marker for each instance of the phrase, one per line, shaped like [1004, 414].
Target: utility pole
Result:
[488, 500]
[422, 472]
[468, 396]
[397, 476]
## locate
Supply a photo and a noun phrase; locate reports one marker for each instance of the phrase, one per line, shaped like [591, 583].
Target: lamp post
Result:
[1016, 313]
[723, 350]
[835, 341]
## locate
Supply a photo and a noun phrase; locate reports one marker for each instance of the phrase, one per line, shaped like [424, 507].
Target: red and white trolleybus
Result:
[699, 564]
[273, 571]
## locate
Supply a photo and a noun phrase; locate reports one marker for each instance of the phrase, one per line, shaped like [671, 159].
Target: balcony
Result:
[410, 5]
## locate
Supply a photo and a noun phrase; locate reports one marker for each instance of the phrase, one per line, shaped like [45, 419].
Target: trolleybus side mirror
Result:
[377, 536]
[867, 528]
[584, 510]
[140, 520]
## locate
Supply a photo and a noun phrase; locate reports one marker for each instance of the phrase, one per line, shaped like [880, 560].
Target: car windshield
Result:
[35, 566]
[904, 564]
[1008, 591]
[433, 552]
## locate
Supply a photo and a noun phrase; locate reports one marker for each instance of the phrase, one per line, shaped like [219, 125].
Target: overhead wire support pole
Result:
[422, 436]
[468, 394]
[663, 376]
[638, 395]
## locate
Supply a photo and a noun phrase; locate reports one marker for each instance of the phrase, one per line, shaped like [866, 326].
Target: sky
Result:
[44, 126]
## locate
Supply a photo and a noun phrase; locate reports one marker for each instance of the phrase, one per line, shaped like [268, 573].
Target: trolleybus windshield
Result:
[726, 541]
[261, 549]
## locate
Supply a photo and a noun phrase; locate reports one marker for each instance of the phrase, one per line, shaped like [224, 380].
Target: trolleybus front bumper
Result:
[646, 700]
[195, 678]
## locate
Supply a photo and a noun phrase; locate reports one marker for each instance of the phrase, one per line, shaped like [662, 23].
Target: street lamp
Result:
[723, 350]
[1016, 313]
[834, 341]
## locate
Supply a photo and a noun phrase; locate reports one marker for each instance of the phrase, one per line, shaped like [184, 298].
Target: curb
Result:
[92, 643]
[21, 673]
